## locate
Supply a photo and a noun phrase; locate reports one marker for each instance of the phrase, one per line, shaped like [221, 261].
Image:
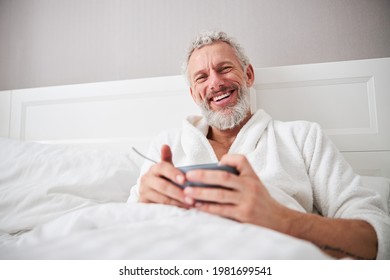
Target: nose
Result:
[216, 81]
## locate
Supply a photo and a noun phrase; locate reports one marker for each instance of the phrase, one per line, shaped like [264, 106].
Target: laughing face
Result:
[219, 85]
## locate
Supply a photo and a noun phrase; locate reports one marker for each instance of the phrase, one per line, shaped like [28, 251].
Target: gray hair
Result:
[210, 37]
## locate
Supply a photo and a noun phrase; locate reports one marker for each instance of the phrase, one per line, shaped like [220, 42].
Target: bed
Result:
[67, 166]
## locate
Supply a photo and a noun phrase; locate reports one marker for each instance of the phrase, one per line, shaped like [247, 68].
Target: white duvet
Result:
[137, 231]
[64, 203]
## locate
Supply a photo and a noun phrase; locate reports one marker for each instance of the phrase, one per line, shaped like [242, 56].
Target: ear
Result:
[250, 75]
[192, 94]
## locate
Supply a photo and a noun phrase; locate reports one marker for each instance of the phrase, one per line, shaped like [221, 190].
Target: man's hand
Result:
[246, 199]
[154, 186]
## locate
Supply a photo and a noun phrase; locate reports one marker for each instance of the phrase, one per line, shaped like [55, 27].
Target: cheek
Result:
[238, 79]
[198, 93]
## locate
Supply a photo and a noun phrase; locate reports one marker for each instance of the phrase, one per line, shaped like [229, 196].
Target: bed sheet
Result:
[39, 182]
[146, 231]
[66, 203]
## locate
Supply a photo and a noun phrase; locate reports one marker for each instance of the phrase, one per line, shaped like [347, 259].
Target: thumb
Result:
[166, 153]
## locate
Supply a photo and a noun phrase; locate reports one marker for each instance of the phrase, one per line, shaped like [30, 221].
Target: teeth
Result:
[217, 98]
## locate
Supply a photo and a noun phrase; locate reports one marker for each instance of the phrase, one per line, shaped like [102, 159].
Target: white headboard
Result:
[351, 101]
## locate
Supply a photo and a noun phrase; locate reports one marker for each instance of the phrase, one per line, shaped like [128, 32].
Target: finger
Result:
[211, 194]
[248, 177]
[168, 171]
[240, 162]
[214, 177]
[223, 210]
[166, 154]
[161, 186]
[155, 197]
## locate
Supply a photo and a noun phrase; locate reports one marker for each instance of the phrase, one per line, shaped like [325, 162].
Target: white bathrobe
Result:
[298, 164]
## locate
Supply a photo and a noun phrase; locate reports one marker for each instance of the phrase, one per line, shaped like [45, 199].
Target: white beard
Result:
[230, 116]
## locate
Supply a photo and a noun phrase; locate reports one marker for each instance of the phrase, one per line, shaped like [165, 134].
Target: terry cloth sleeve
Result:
[338, 191]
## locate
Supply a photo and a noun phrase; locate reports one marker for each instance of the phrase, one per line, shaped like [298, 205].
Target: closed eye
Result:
[200, 78]
[225, 69]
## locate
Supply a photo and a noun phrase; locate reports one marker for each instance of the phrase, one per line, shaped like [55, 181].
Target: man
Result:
[291, 178]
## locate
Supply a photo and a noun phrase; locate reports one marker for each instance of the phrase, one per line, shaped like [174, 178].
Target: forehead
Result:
[212, 55]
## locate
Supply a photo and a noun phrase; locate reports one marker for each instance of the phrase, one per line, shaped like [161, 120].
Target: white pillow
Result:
[39, 182]
[381, 185]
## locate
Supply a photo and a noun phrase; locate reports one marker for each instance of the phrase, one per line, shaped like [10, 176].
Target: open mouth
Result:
[222, 96]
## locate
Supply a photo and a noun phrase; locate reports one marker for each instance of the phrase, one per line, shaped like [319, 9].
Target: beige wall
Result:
[56, 42]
